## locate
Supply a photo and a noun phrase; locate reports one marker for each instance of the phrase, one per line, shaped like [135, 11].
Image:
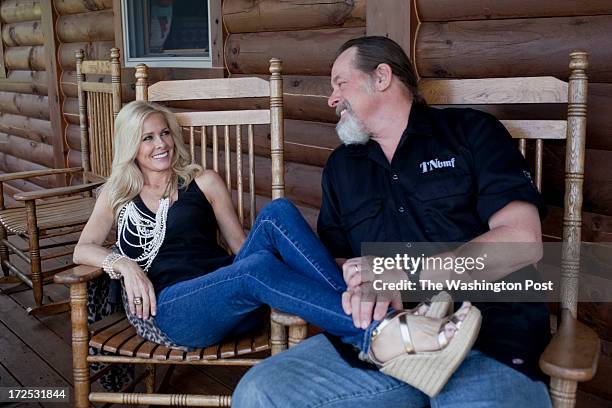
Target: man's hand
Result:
[364, 303]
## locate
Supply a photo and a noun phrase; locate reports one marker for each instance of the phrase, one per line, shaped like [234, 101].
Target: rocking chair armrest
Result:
[55, 192]
[37, 173]
[573, 352]
[286, 319]
[78, 274]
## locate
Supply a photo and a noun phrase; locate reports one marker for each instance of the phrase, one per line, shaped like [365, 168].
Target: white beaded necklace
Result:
[150, 231]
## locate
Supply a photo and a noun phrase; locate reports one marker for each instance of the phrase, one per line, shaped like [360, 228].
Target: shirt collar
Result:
[419, 123]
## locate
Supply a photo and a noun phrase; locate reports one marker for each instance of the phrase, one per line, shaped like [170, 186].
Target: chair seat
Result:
[66, 212]
[115, 334]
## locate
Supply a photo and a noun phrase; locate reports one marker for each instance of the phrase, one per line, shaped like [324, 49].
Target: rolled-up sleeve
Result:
[501, 172]
[329, 226]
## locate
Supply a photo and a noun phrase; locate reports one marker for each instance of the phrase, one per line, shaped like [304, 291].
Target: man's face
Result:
[352, 97]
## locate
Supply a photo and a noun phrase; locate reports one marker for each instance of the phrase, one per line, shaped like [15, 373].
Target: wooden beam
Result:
[2, 67]
[58, 125]
[391, 19]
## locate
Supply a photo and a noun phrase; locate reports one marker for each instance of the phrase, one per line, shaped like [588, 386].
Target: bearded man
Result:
[407, 172]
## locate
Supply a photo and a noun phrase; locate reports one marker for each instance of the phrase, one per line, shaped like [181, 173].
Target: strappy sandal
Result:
[439, 306]
[429, 371]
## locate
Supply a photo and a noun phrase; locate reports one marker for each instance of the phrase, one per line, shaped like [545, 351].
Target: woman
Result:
[188, 292]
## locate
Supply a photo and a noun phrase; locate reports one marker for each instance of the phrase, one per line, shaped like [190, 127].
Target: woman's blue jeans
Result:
[282, 264]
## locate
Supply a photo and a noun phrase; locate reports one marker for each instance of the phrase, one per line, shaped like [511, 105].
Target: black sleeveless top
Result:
[190, 247]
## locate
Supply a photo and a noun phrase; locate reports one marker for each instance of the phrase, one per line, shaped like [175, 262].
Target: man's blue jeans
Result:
[313, 374]
[281, 264]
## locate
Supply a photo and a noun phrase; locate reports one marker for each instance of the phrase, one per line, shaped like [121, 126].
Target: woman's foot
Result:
[426, 334]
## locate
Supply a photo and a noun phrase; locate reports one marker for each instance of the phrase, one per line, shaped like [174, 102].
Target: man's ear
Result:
[382, 77]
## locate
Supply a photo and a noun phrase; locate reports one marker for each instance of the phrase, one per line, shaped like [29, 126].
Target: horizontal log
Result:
[30, 82]
[517, 47]
[449, 10]
[24, 33]
[12, 164]
[597, 181]
[595, 227]
[599, 125]
[29, 58]
[86, 27]
[15, 11]
[35, 106]
[307, 52]
[74, 158]
[81, 6]
[71, 110]
[30, 128]
[247, 16]
[39, 153]
[73, 137]
[93, 50]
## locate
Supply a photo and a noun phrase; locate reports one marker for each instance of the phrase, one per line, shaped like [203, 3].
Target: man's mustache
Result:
[342, 106]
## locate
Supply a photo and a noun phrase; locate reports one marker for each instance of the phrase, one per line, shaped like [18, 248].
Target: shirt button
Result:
[395, 177]
[401, 209]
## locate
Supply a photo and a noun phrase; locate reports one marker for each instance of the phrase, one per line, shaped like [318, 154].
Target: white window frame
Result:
[163, 62]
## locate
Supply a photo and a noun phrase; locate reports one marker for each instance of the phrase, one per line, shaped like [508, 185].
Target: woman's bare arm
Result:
[216, 192]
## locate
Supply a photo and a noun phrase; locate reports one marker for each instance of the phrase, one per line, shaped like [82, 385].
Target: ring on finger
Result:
[137, 300]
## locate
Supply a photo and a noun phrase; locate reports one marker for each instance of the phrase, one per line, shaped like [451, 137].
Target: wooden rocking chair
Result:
[572, 354]
[114, 334]
[52, 213]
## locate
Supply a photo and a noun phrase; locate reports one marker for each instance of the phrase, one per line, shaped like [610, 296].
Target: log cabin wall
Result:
[26, 132]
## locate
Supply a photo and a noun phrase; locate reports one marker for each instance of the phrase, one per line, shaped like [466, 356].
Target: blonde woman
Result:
[183, 290]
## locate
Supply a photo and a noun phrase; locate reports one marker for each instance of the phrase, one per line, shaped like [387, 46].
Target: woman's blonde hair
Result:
[126, 179]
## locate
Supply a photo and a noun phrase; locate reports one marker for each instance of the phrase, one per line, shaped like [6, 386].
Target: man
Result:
[411, 173]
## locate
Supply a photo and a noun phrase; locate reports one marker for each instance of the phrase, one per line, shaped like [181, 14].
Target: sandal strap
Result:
[406, 338]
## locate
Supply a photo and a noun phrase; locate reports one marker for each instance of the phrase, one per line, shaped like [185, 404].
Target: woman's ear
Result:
[382, 75]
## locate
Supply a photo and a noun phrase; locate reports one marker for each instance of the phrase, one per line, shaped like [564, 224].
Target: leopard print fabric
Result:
[98, 307]
[147, 329]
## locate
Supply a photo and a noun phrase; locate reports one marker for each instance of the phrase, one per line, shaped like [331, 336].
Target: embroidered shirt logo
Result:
[436, 164]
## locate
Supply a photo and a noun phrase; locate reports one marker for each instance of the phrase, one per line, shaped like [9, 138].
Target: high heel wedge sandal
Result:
[429, 371]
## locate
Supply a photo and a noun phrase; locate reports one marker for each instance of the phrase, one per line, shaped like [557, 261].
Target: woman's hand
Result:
[137, 285]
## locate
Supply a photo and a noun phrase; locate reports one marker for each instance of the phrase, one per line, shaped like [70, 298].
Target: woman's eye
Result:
[165, 133]
[147, 138]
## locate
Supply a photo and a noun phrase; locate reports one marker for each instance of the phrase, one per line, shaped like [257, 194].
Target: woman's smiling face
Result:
[156, 144]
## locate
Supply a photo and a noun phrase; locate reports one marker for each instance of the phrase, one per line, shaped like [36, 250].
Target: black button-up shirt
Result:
[452, 170]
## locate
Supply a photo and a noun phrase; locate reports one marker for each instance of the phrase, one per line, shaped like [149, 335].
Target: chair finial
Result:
[79, 54]
[276, 66]
[579, 60]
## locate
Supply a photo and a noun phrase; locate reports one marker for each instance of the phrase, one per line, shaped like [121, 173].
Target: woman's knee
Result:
[280, 206]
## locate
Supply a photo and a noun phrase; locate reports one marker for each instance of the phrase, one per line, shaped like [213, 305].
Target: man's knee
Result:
[261, 386]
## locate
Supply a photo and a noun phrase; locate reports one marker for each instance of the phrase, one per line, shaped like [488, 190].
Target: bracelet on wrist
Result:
[109, 263]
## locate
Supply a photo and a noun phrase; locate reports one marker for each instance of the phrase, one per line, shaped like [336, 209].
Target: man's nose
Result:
[333, 100]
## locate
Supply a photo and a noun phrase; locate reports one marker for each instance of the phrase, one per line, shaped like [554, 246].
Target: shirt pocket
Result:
[446, 185]
[364, 213]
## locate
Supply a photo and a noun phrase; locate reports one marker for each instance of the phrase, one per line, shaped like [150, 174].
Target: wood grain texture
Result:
[30, 82]
[517, 47]
[209, 89]
[247, 16]
[86, 27]
[29, 58]
[35, 106]
[24, 33]
[449, 10]
[14, 11]
[81, 6]
[308, 52]
[96, 50]
[391, 19]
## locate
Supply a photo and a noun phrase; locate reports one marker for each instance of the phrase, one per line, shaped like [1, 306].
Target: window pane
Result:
[168, 28]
